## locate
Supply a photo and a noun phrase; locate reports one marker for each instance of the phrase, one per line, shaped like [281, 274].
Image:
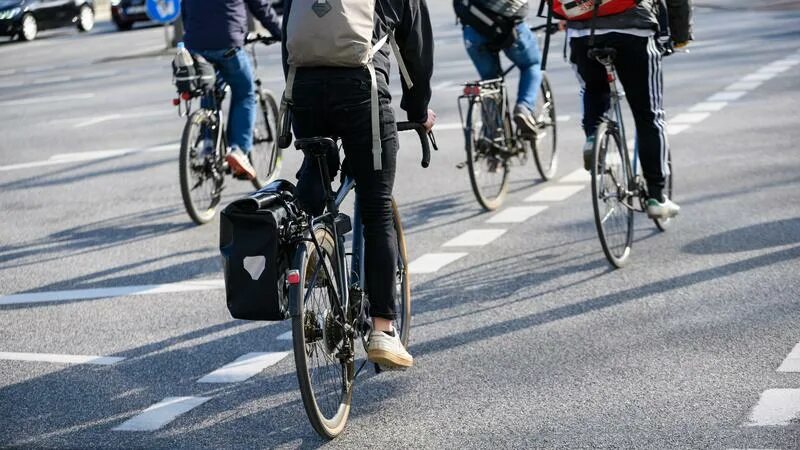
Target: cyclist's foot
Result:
[525, 120]
[665, 209]
[588, 153]
[387, 351]
[240, 164]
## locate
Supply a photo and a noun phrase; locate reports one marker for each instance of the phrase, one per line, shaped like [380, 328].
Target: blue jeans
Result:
[524, 53]
[237, 71]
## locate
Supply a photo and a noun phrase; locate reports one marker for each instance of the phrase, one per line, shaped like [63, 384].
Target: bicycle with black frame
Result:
[204, 141]
[328, 300]
[492, 140]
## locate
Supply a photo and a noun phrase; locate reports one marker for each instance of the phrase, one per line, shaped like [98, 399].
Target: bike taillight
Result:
[293, 277]
[610, 77]
[176, 101]
[186, 95]
[472, 89]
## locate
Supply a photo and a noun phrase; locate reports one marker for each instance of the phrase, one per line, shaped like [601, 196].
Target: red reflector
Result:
[472, 90]
[293, 277]
[610, 78]
[176, 101]
[186, 95]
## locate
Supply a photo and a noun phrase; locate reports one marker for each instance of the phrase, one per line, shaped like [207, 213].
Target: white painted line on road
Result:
[285, 336]
[776, 407]
[774, 69]
[11, 84]
[727, 96]
[690, 118]
[63, 158]
[792, 361]
[53, 98]
[97, 120]
[556, 193]
[516, 214]
[759, 76]
[673, 130]
[244, 367]
[581, 176]
[161, 413]
[432, 262]
[744, 85]
[60, 79]
[121, 291]
[447, 126]
[62, 359]
[708, 107]
[474, 238]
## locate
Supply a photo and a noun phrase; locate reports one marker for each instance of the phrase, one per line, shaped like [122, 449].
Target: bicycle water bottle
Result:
[184, 72]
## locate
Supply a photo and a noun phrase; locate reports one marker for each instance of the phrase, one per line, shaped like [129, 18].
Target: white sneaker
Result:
[662, 210]
[388, 351]
[240, 164]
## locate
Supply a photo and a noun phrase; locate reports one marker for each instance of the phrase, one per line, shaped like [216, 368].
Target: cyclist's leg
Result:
[351, 117]
[525, 54]
[238, 72]
[639, 67]
[594, 84]
[486, 61]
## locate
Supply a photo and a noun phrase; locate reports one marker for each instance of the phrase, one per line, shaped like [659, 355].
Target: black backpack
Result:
[495, 20]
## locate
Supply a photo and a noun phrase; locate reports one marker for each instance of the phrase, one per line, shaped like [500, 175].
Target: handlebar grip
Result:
[423, 139]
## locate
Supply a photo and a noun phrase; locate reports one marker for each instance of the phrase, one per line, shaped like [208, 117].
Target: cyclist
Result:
[336, 101]
[215, 29]
[515, 40]
[632, 33]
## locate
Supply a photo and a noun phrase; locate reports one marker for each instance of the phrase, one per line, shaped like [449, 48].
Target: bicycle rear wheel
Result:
[488, 170]
[664, 224]
[318, 336]
[200, 171]
[545, 148]
[402, 300]
[613, 214]
[266, 156]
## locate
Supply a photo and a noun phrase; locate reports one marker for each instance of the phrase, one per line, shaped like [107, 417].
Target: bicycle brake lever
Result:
[433, 140]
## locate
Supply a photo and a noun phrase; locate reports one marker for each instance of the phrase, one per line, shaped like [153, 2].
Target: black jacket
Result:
[411, 23]
[645, 16]
[222, 24]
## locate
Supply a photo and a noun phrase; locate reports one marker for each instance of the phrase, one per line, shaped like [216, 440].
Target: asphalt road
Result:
[528, 341]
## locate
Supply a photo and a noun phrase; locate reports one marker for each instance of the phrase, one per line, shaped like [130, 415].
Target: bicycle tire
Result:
[611, 176]
[198, 176]
[546, 156]
[484, 163]
[403, 281]
[326, 400]
[266, 157]
[664, 224]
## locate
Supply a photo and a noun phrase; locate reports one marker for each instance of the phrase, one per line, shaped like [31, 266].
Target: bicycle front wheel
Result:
[324, 374]
[663, 224]
[488, 170]
[545, 148]
[266, 156]
[403, 282]
[611, 198]
[200, 170]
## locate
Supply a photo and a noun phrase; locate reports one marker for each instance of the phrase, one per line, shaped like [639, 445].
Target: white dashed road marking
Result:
[726, 96]
[474, 238]
[580, 176]
[54, 98]
[432, 262]
[60, 359]
[776, 407]
[792, 361]
[678, 128]
[708, 106]
[516, 214]
[65, 158]
[690, 117]
[287, 336]
[161, 413]
[556, 193]
[244, 367]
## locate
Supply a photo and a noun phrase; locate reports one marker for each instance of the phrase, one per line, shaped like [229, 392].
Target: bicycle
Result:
[327, 295]
[204, 144]
[616, 183]
[492, 139]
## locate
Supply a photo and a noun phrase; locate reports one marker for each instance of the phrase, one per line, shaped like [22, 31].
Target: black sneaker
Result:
[588, 153]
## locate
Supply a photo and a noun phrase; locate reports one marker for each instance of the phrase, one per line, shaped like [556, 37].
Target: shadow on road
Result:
[754, 237]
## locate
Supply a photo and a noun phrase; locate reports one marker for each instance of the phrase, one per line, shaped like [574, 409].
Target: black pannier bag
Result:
[255, 253]
[195, 79]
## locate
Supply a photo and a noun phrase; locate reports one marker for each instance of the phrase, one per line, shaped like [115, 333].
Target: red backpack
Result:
[584, 9]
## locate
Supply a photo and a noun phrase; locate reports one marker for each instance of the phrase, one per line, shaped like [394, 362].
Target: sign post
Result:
[164, 11]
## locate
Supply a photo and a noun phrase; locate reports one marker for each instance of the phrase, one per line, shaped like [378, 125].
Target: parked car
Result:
[125, 13]
[25, 18]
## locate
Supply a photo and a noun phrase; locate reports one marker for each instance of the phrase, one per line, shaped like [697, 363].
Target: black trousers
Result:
[336, 102]
[638, 65]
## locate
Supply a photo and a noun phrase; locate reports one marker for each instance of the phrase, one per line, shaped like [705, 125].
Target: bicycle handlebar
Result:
[552, 29]
[256, 37]
[424, 136]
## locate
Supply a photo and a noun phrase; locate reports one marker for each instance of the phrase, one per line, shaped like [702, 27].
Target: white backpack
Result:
[338, 33]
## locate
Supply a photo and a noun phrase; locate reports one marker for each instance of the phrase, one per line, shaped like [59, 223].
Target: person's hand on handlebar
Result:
[430, 121]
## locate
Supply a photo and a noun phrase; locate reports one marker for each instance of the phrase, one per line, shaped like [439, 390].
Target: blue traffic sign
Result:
[163, 11]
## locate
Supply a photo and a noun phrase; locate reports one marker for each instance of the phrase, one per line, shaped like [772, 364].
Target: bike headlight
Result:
[10, 13]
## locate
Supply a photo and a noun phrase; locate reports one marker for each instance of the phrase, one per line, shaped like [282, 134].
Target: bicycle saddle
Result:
[602, 53]
[316, 145]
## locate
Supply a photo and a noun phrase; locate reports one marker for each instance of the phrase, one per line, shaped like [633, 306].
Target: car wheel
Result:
[29, 28]
[123, 26]
[85, 18]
